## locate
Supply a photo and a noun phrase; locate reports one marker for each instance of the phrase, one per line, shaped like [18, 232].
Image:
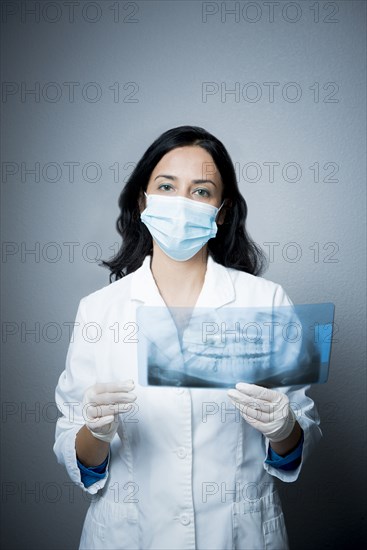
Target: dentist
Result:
[178, 468]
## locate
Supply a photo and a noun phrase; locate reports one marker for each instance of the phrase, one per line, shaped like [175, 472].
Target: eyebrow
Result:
[173, 178]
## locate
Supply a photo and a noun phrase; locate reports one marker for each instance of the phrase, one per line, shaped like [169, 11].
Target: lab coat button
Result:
[181, 452]
[184, 518]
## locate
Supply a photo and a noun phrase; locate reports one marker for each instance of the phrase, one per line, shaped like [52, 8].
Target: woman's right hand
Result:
[102, 403]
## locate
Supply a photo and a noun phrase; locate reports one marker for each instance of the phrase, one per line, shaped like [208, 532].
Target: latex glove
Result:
[102, 403]
[266, 410]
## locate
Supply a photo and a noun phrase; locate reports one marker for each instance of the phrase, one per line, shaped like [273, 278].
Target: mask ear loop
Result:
[219, 209]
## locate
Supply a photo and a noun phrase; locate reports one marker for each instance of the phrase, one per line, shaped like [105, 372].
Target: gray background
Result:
[169, 50]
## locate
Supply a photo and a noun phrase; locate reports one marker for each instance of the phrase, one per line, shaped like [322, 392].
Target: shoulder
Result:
[255, 281]
[103, 298]
[259, 288]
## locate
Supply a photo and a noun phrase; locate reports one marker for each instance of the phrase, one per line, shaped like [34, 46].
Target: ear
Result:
[141, 201]
[223, 211]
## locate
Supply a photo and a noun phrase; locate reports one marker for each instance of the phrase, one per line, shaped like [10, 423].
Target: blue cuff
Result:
[288, 462]
[92, 474]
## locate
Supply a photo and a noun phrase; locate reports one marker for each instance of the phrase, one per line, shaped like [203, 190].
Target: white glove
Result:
[101, 405]
[266, 410]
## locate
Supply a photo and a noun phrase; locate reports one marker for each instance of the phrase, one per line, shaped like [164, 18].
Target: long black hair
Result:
[232, 245]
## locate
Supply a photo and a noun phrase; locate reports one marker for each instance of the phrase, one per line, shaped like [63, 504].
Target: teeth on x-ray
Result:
[208, 348]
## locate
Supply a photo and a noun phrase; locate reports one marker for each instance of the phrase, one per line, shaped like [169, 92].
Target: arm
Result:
[287, 445]
[281, 416]
[90, 451]
[307, 417]
[88, 421]
[304, 408]
[102, 403]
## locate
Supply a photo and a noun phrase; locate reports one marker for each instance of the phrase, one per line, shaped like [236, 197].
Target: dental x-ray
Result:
[216, 348]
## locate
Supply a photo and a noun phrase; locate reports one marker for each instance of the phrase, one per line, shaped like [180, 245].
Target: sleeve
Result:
[78, 375]
[91, 474]
[287, 462]
[305, 412]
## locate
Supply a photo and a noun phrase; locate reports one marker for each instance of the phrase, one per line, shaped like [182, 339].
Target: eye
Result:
[165, 186]
[202, 192]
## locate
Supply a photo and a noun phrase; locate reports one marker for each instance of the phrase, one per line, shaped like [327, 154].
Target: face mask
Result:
[180, 226]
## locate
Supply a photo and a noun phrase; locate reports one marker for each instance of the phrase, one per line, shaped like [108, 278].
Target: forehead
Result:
[190, 160]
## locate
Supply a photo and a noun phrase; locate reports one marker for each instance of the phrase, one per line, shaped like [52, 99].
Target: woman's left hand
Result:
[266, 410]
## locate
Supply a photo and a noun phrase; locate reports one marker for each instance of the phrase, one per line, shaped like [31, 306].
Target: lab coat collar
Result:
[217, 290]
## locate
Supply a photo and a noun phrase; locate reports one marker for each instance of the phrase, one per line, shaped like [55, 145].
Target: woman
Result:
[178, 468]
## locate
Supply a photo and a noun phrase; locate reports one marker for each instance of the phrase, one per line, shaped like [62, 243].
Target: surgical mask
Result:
[180, 226]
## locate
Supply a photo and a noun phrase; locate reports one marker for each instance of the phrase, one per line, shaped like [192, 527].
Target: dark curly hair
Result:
[232, 245]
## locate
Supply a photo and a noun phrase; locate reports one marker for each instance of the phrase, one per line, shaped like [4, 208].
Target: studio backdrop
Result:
[86, 87]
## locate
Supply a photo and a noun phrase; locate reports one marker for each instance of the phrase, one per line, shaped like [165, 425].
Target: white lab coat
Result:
[185, 470]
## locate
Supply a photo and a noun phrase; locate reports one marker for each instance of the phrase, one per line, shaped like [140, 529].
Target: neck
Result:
[179, 282]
